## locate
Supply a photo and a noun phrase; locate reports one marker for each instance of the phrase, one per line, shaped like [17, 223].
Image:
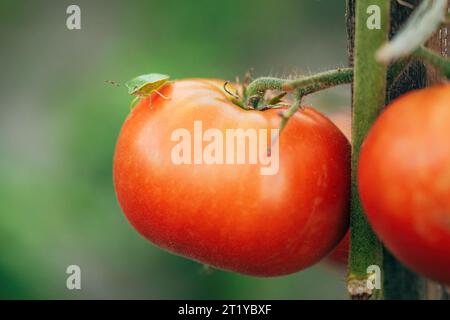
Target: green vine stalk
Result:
[369, 90]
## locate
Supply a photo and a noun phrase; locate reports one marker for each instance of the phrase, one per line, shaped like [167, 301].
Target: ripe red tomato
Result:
[231, 216]
[404, 180]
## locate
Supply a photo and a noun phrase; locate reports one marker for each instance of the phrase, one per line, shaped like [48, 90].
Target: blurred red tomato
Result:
[404, 180]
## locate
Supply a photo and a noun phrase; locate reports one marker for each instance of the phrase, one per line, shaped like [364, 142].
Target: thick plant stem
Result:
[369, 90]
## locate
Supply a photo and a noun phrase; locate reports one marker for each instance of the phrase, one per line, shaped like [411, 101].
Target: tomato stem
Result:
[288, 113]
[306, 85]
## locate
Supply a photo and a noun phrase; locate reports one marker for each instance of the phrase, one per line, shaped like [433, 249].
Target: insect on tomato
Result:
[404, 180]
[144, 85]
[231, 216]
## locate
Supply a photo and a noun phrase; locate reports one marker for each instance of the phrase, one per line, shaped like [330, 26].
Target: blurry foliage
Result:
[59, 121]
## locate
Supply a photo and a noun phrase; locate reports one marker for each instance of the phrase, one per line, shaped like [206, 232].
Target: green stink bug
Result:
[144, 85]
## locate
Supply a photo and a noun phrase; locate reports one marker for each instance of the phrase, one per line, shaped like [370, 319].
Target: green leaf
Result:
[145, 84]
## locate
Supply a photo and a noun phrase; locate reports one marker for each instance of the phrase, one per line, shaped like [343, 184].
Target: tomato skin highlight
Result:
[230, 216]
[404, 180]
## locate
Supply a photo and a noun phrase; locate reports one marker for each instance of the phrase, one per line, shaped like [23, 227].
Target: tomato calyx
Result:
[268, 92]
[234, 97]
[239, 96]
[256, 90]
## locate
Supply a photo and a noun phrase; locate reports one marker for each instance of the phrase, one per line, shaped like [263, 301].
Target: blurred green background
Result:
[59, 121]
